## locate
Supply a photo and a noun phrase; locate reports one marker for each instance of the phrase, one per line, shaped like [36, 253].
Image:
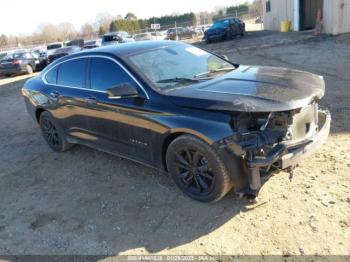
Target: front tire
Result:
[52, 134]
[229, 35]
[242, 32]
[197, 169]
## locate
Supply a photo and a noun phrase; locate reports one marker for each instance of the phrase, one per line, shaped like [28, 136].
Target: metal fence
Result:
[245, 16]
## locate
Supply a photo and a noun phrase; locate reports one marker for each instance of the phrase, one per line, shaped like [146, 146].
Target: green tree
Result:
[237, 10]
[130, 16]
[101, 31]
[113, 26]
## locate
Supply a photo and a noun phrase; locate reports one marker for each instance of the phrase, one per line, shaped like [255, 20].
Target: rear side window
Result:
[72, 73]
[106, 74]
[51, 76]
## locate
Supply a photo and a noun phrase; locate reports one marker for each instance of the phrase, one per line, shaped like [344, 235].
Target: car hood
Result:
[252, 89]
[215, 30]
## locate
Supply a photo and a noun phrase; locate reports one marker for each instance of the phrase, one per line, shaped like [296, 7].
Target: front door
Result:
[118, 124]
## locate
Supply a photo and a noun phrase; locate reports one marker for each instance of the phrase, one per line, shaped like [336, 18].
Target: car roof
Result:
[114, 33]
[55, 43]
[126, 49]
[226, 18]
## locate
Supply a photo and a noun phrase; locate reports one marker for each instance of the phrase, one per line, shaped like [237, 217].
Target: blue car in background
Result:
[226, 28]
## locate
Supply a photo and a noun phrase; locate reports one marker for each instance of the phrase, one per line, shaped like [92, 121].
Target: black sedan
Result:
[225, 29]
[17, 63]
[60, 52]
[213, 125]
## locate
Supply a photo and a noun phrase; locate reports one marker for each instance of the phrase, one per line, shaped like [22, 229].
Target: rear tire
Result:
[29, 69]
[52, 133]
[197, 169]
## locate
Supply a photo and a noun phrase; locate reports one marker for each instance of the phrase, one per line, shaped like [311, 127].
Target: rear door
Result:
[68, 93]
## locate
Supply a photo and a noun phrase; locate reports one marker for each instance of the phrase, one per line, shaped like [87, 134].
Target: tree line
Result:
[131, 24]
[104, 23]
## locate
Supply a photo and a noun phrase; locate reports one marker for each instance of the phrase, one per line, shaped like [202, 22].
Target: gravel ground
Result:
[87, 202]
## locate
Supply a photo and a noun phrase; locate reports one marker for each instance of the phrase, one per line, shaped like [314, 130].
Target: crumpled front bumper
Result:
[285, 155]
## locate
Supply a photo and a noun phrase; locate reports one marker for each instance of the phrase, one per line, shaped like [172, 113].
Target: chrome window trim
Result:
[43, 76]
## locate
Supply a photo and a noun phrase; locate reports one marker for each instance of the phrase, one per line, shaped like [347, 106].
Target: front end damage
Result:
[273, 141]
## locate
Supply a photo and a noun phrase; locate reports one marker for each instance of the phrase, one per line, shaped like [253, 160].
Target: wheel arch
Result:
[171, 136]
[38, 112]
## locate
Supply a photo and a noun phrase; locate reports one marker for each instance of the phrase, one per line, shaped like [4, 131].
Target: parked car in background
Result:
[41, 58]
[116, 38]
[259, 20]
[89, 44]
[159, 35]
[17, 63]
[205, 27]
[180, 33]
[60, 52]
[226, 28]
[212, 124]
[198, 30]
[143, 37]
[3, 54]
[50, 48]
[40, 52]
[76, 42]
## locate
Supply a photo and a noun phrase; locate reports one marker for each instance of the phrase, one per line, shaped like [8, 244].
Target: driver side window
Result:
[105, 74]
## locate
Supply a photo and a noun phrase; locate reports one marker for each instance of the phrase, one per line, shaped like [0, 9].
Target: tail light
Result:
[17, 62]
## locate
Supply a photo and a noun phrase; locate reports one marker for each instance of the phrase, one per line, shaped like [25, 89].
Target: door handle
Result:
[91, 100]
[54, 94]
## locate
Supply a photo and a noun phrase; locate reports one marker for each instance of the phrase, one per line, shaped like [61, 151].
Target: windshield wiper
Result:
[214, 71]
[178, 80]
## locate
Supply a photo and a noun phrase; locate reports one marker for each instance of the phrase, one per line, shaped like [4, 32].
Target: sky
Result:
[24, 16]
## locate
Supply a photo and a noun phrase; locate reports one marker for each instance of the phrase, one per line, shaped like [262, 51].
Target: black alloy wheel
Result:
[52, 134]
[197, 169]
[194, 171]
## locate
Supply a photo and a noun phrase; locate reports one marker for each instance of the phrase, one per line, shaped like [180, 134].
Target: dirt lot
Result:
[87, 202]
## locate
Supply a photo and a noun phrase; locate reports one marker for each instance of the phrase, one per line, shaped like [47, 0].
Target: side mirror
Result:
[122, 90]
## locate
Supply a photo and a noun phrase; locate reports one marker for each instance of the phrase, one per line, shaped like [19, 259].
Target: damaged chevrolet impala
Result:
[211, 124]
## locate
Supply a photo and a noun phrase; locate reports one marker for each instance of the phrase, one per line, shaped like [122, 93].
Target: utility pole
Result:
[176, 37]
[155, 30]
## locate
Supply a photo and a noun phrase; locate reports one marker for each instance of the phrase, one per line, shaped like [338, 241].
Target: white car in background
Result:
[143, 37]
[50, 48]
[116, 38]
[159, 35]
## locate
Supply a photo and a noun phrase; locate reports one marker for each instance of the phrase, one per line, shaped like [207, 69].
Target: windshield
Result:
[111, 38]
[54, 46]
[221, 23]
[14, 56]
[180, 62]
[3, 55]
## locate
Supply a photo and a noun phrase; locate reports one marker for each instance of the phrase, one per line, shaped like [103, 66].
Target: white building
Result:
[303, 13]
